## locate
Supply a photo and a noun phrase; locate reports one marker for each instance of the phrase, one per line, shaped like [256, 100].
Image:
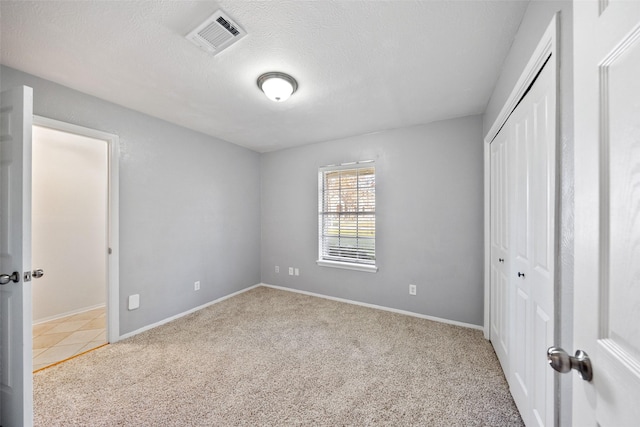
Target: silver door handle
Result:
[37, 273]
[560, 361]
[6, 278]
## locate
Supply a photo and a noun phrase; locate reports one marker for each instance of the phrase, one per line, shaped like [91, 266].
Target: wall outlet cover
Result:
[134, 301]
[412, 289]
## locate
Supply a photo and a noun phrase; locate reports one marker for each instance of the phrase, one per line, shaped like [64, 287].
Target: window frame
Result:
[344, 264]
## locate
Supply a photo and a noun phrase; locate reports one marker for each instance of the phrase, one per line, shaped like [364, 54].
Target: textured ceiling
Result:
[362, 66]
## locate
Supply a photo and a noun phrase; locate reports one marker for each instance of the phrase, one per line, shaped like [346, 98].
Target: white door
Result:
[607, 211]
[15, 256]
[522, 225]
[520, 138]
[500, 245]
[532, 137]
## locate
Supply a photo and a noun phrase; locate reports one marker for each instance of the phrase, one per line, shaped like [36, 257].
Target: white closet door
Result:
[500, 245]
[532, 130]
[542, 280]
[520, 130]
[522, 210]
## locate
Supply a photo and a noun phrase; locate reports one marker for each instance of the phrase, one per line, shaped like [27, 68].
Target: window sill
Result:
[348, 266]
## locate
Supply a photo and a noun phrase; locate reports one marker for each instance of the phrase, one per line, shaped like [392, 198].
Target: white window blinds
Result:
[347, 213]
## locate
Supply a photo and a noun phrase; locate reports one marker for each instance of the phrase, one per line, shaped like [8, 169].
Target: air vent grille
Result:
[217, 33]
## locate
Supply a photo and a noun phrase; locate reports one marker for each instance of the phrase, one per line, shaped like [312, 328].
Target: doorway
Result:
[71, 241]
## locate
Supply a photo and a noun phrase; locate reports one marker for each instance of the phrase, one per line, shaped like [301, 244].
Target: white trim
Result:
[68, 313]
[377, 307]
[113, 260]
[184, 313]
[487, 242]
[369, 268]
[113, 297]
[548, 45]
[71, 128]
[348, 165]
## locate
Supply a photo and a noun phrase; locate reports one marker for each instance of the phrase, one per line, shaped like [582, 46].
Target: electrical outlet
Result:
[290, 271]
[412, 289]
[196, 286]
[297, 271]
[277, 269]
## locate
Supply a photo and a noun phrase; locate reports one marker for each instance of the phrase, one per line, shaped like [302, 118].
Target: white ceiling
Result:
[362, 66]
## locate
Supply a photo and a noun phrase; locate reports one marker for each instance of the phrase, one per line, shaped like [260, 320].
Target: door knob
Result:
[6, 278]
[520, 274]
[560, 361]
[37, 273]
[500, 259]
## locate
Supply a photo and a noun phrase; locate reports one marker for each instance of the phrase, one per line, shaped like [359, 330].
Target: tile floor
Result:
[60, 339]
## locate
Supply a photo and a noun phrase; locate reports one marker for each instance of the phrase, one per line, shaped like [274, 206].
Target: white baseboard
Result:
[378, 307]
[313, 294]
[69, 313]
[179, 315]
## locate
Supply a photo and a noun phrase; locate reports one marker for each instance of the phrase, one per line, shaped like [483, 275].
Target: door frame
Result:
[113, 231]
[548, 45]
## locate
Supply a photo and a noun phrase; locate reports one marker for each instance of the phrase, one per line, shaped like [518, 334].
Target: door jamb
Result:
[113, 231]
[548, 45]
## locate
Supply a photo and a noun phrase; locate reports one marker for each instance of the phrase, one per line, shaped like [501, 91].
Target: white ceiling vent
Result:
[217, 33]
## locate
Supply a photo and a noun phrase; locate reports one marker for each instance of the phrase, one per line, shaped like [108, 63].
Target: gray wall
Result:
[534, 23]
[429, 219]
[189, 204]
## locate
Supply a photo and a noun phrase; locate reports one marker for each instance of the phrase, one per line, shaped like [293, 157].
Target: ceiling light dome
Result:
[277, 86]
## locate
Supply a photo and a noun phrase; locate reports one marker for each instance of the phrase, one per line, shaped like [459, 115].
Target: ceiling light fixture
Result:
[277, 86]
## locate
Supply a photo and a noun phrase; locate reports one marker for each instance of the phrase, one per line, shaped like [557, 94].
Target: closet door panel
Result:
[500, 247]
[541, 280]
[522, 209]
[533, 127]
[521, 375]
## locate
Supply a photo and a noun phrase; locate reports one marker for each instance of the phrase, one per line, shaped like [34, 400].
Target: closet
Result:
[522, 243]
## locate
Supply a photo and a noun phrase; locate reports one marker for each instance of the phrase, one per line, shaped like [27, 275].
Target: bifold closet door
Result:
[500, 245]
[533, 219]
[522, 286]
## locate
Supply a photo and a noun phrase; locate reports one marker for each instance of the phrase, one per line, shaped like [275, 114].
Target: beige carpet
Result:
[275, 358]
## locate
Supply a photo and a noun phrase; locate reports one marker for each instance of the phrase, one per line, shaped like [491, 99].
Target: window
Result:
[347, 216]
